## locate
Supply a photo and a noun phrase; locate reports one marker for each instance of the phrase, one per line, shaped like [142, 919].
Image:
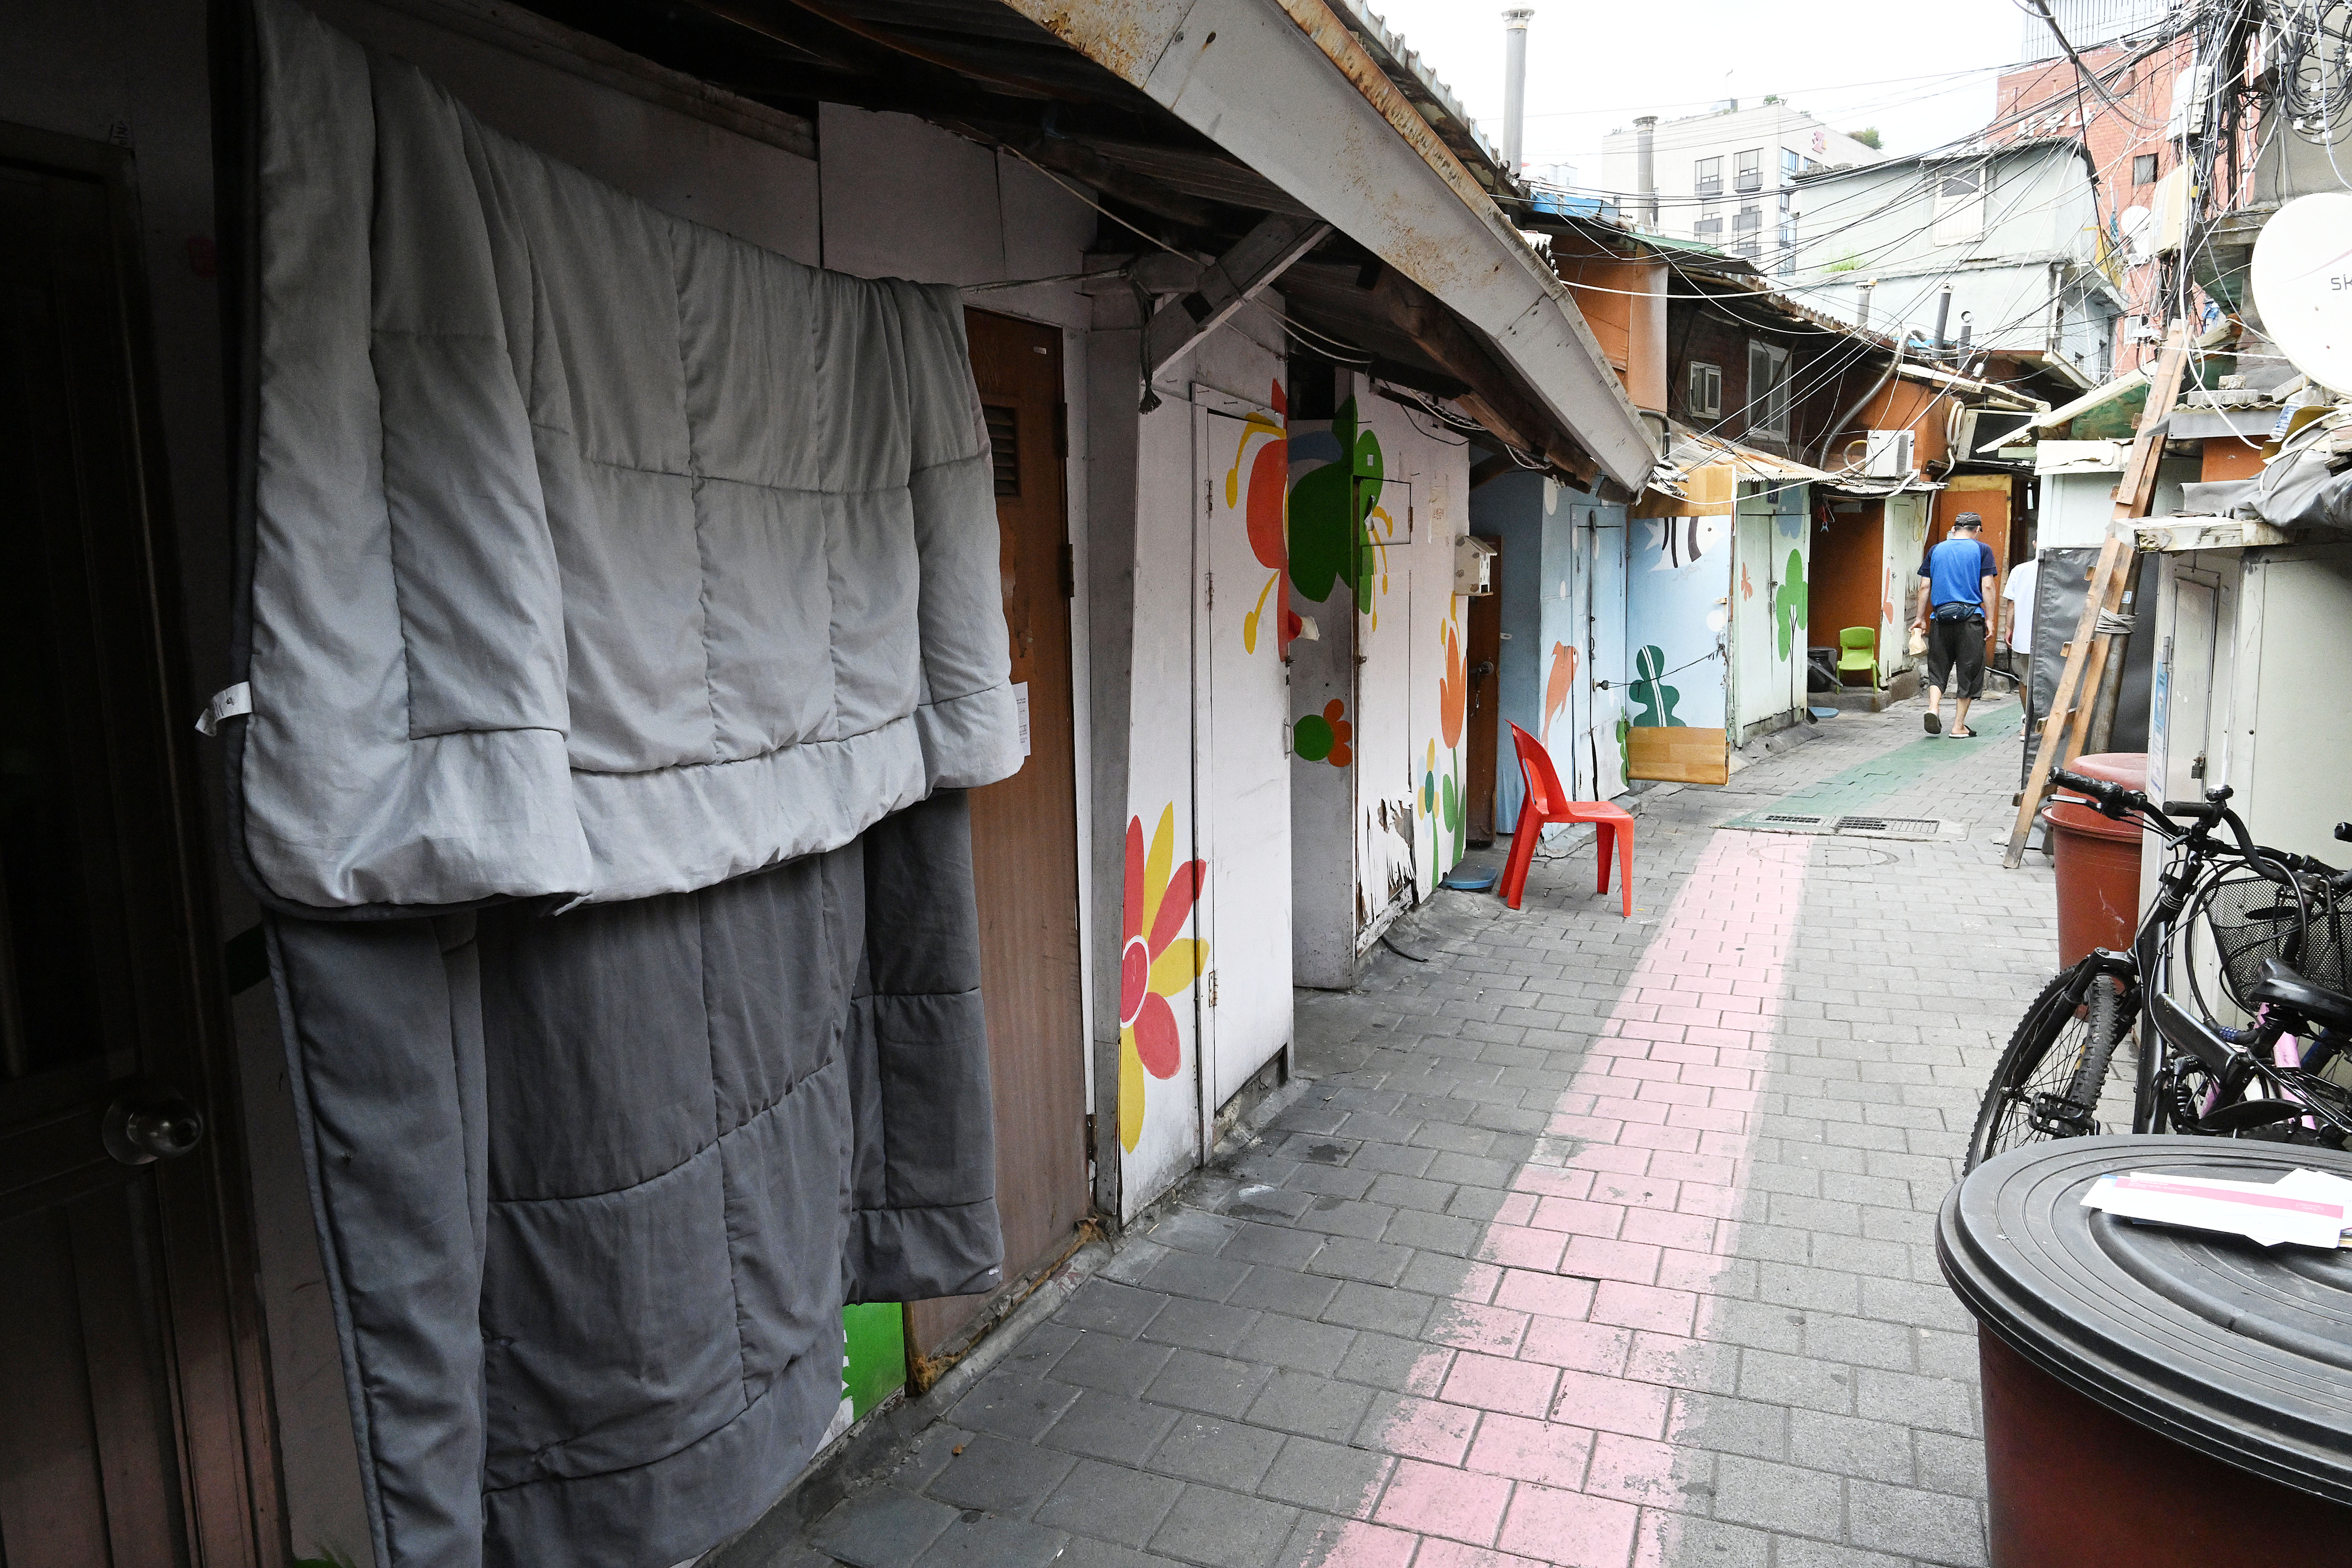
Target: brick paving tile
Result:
[1591, 1242]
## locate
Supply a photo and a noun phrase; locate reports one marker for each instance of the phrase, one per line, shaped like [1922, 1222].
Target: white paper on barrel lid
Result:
[2308, 1207]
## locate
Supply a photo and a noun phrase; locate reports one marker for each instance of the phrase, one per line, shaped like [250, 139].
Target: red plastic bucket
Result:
[2097, 861]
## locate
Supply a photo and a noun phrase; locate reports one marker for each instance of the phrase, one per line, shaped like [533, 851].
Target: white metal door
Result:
[1759, 686]
[1600, 759]
[1244, 765]
[2184, 698]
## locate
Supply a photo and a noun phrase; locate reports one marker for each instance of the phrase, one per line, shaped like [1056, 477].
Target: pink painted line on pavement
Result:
[1541, 1430]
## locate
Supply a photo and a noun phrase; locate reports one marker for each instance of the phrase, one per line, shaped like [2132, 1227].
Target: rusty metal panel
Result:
[1124, 36]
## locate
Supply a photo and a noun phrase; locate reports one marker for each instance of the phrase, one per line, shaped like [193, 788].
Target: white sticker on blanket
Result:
[230, 702]
[1021, 706]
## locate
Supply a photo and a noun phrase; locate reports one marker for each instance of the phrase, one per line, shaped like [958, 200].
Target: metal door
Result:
[132, 1425]
[1759, 683]
[2183, 707]
[1482, 734]
[1024, 841]
[1242, 793]
[1600, 759]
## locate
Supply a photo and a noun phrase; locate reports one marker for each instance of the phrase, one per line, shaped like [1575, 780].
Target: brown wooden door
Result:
[1024, 832]
[1986, 495]
[132, 1426]
[1484, 732]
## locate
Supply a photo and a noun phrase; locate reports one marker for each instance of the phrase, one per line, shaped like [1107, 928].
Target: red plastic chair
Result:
[1548, 802]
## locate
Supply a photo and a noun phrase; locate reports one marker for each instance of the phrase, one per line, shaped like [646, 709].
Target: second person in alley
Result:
[1956, 582]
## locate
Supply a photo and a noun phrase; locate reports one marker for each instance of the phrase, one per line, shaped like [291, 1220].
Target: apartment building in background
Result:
[2133, 142]
[1725, 178]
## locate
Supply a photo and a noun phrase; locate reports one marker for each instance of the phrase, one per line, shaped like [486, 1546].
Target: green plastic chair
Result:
[1858, 650]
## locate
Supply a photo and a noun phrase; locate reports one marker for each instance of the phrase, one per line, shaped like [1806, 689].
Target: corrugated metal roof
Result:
[1692, 449]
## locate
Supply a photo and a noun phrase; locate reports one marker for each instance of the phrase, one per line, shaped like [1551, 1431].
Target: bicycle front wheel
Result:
[2048, 1080]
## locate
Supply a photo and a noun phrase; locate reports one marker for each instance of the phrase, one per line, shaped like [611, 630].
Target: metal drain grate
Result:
[1858, 827]
[1891, 826]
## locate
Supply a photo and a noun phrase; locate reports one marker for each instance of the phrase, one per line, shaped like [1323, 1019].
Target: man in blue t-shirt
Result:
[1955, 583]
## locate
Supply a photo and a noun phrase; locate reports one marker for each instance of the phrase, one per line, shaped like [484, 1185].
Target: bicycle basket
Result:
[2253, 920]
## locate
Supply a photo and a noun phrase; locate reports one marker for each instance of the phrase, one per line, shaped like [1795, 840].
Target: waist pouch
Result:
[1957, 612]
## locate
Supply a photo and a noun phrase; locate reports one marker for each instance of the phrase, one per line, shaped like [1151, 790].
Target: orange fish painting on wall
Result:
[1556, 685]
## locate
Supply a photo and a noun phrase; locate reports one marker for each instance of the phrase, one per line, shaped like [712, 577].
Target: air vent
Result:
[1004, 444]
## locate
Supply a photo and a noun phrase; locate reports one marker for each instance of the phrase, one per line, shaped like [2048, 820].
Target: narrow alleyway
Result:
[1591, 1242]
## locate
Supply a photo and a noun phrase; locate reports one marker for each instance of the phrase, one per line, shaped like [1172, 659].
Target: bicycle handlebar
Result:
[2116, 801]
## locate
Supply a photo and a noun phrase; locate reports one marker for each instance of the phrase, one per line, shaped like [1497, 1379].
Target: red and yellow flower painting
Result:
[1267, 514]
[1154, 964]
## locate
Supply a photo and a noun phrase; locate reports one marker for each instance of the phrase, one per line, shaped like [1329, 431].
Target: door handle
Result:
[150, 1121]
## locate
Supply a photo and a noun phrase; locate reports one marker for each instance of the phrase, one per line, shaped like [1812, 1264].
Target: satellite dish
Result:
[2132, 226]
[2303, 285]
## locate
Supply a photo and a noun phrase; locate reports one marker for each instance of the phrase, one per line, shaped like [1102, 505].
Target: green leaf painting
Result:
[1789, 606]
[1329, 543]
[1654, 700]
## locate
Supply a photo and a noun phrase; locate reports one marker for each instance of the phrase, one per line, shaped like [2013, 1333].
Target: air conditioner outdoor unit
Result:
[1887, 454]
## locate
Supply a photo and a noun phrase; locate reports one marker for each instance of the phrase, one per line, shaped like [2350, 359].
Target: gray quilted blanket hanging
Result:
[622, 627]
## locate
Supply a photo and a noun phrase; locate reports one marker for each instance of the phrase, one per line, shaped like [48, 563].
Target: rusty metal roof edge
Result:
[1556, 350]
[1390, 48]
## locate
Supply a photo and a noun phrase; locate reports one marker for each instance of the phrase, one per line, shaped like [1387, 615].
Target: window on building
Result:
[1791, 163]
[1768, 389]
[1748, 218]
[1960, 205]
[1709, 226]
[1706, 176]
[1703, 394]
[2143, 168]
[1750, 169]
[1748, 247]
[1787, 261]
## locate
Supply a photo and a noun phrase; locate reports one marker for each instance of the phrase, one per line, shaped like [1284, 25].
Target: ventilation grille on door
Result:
[1005, 443]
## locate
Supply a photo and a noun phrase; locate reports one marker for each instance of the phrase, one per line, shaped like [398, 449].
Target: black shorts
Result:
[1956, 654]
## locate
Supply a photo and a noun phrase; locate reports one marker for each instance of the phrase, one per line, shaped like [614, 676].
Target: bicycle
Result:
[2278, 924]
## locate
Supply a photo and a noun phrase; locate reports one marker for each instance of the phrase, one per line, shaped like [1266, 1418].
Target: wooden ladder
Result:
[2072, 705]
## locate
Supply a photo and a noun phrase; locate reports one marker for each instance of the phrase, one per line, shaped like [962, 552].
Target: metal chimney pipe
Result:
[1862, 306]
[1645, 171]
[1968, 320]
[1943, 315]
[1515, 84]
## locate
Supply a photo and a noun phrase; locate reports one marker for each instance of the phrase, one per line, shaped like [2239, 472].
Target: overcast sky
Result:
[1922, 74]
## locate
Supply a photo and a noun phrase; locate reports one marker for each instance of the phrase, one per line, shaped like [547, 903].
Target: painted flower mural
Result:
[1154, 964]
[1267, 514]
[1324, 737]
[1452, 690]
[1441, 797]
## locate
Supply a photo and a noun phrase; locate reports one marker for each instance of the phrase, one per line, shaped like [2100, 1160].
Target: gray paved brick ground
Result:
[1593, 1241]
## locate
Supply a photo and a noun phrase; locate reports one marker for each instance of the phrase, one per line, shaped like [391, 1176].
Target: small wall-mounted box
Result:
[1474, 565]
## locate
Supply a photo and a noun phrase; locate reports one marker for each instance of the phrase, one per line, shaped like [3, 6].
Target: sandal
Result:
[1933, 722]
[1964, 734]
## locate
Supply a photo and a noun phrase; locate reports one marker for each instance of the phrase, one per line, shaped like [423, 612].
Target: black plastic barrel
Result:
[2153, 1397]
